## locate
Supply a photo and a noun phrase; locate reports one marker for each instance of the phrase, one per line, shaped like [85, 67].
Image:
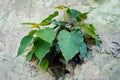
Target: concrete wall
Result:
[105, 15]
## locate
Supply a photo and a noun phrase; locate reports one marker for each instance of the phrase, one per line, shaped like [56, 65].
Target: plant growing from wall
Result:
[59, 44]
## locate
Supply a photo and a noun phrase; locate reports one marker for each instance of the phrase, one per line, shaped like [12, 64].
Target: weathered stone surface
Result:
[101, 67]
[104, 14]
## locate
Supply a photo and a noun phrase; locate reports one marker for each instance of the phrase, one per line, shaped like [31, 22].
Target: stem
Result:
[64, 15]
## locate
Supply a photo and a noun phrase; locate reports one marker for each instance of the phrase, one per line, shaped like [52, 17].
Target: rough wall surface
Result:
[104, 14]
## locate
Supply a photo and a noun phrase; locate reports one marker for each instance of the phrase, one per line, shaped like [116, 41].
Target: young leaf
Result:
[82, 16]
[25, 42]
[89, 30]
[41, 48]
[44, 64]
[70, 43]
[29, 56]
[92, 28]
[47, 34]
[97, 41]
[47, 20]
[73, 13]
[83, 50]
[28, 23]
[62, 7]
[33, 25]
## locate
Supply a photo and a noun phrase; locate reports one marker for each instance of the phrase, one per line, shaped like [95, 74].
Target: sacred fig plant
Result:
[54, 47]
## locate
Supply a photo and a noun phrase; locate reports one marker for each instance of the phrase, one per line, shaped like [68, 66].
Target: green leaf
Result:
[33, 25]
[51, 16]
[25, 42]
[47, 20]
[28, 23]
[92, 28]
[44, 64]
[47, 34]
[41, 48]
[89, 30]
[29, 56]
[97, 41]
[59, 23]
[32, 32]
[73, 13]
[62, 7]
[70, 43]
[82, 16]
[83, 50]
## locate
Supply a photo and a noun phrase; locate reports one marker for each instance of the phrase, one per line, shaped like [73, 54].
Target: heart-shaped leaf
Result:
[70, 43]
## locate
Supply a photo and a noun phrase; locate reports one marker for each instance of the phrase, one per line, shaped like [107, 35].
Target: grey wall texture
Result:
[104, 62]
